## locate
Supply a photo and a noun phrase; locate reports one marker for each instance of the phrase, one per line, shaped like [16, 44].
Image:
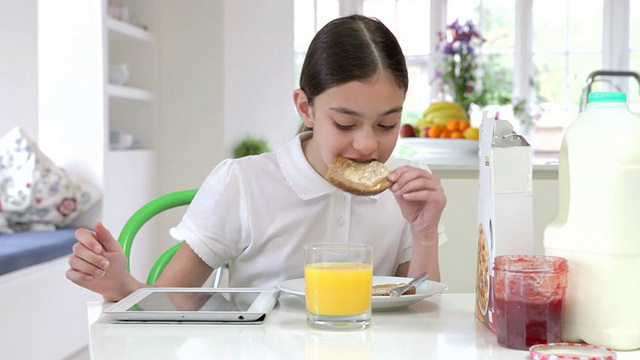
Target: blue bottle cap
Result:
[607, 96]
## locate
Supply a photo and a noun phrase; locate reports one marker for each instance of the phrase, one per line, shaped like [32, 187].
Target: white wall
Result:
[259, 71]
[190, 41]
[226, 71]
[70, 62]
[18, 66]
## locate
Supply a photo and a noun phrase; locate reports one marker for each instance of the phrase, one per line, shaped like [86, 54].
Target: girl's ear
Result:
[304, 109]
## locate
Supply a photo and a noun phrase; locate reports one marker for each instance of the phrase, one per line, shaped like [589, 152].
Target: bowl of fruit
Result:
[443, 127]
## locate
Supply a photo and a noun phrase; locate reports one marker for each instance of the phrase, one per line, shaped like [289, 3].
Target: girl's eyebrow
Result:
[350, 112]
[346, 111]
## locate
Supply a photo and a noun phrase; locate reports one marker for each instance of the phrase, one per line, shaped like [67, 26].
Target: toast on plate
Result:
[383, 289]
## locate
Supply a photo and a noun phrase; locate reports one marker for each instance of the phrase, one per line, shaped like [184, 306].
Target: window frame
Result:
[616, 49]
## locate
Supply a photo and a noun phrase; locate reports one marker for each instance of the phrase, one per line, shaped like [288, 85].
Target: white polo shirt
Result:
[256, 214]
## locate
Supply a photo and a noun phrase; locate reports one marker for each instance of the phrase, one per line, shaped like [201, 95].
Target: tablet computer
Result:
[214, 305]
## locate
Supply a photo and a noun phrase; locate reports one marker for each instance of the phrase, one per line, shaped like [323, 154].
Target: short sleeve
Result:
[213, 224]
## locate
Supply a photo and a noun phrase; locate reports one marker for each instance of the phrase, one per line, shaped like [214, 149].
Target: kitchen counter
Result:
[439, 327]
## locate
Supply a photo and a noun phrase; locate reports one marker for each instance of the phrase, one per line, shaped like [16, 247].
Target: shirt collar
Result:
[301, 176]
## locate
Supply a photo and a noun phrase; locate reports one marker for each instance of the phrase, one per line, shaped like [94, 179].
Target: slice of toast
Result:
[383, 289]
[359, 178]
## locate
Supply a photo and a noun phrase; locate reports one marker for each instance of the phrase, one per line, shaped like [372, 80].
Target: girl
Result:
[256, 213]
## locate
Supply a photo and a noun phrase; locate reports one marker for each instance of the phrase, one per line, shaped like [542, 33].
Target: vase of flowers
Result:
[458, 70]
[469, 78]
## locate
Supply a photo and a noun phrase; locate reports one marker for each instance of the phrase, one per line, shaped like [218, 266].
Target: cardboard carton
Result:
[505, 206]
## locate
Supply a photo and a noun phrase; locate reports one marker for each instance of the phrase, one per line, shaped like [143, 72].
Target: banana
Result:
[422, 123]
[435, 106]
[447, 114]
[442, 121]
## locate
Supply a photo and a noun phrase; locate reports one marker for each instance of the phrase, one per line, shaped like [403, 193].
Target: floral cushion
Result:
[35, 194]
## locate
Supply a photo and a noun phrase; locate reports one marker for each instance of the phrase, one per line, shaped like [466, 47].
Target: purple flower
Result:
[448, 49]
[459, 63]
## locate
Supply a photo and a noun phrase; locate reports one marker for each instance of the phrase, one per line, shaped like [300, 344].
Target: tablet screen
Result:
[195, 301]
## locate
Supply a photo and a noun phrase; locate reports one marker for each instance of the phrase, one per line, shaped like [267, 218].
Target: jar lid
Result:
[607, 96]
[571, 351]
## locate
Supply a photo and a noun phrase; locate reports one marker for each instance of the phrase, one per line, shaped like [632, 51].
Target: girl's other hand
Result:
[99, 264]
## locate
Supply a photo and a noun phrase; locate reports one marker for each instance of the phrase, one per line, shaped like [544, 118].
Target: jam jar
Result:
[529, 299]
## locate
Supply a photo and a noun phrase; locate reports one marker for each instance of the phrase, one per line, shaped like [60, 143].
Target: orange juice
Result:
[338, 289]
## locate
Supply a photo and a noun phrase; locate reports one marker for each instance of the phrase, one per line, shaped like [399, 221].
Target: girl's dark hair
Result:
[351, 48]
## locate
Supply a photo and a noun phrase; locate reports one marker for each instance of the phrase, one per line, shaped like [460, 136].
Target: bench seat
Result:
[28, 248]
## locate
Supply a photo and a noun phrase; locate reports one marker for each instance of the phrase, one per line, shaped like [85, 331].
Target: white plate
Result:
[440, 145]
[424, 290]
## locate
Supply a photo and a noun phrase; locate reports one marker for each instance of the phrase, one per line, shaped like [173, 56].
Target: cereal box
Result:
[505, 205]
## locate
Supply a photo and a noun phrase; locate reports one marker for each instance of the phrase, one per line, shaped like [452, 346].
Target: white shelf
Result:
[127, 92]
[141, 152]
[121, 30]
[131, 107]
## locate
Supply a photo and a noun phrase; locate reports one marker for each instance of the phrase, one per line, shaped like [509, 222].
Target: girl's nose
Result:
[365, 142]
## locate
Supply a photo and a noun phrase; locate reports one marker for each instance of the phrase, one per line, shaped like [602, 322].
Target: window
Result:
[309, 17]
[409, 21]
[566, 48]
[549, 46]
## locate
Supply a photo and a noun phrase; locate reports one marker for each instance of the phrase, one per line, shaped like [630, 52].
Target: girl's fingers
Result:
[412, 179]
[89, 240]
[106, 239]
[78, 264]
[86, 260]
[78, 277]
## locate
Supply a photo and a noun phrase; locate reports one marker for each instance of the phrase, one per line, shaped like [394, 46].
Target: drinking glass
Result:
[338, 280]
[529, 299]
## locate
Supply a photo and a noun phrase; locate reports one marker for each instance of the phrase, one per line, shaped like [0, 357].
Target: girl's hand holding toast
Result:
[421, 198]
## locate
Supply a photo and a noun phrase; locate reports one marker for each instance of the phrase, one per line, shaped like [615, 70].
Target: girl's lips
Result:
[362, 160]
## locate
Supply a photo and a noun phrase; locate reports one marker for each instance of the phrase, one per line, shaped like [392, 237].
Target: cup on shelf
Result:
[119, 140]
[118, 73]
[121, 13]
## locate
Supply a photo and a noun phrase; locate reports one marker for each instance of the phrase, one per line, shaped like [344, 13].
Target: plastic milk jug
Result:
[598, 225]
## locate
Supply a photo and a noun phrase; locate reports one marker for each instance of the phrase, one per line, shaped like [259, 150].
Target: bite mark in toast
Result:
[359, 178]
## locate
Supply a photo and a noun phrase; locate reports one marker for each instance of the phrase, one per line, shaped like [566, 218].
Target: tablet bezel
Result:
[256, 313]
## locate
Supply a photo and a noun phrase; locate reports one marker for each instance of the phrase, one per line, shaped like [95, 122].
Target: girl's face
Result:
[356, 120]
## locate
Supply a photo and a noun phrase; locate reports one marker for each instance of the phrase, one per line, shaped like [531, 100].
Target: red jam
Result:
[529, 299]
[522, 324]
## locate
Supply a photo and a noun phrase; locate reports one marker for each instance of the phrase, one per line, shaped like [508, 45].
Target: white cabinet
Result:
[130, 74]
[68, 54]
[130, 108]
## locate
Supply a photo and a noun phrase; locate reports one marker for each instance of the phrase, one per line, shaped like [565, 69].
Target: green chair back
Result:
[144, 214]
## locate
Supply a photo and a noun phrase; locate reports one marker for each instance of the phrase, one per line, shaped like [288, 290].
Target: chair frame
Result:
[144, 214]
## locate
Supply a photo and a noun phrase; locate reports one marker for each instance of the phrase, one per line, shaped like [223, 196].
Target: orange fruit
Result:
[434, 131]
[445, 134]
[463, 125]
[452, 125]
[457, 135]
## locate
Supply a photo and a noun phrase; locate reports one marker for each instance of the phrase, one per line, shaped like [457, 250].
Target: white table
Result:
[439, 327]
